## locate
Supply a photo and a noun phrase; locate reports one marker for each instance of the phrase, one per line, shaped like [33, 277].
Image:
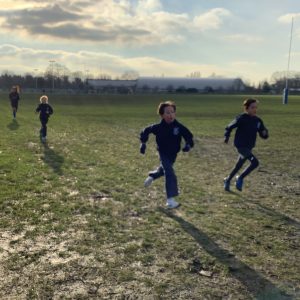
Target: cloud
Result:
[287, 18]
[31, 19]
[243, 38]
[97, 62]
[148, 6]
[105, 21]
[244, 63]
[212, 19]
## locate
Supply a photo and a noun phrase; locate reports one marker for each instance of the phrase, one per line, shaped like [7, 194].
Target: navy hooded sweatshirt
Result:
[247, 129]
[168, 136]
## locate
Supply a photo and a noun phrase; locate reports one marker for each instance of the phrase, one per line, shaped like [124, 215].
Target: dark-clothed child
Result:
[45, 110]
[169, 133]
[247, 126]
[14, 98]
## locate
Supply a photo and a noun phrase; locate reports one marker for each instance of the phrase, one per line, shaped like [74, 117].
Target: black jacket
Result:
[14, 97]
[168, 136]
[246, 132]
[45, 110]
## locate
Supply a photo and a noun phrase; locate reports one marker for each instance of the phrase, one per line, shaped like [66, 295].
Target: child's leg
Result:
[14, 112]
[241, 160]
[44, 127]
[157, 173]
[253, 165]
[171, 179]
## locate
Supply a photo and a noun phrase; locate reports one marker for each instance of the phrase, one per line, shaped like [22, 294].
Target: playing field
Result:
[77, 223]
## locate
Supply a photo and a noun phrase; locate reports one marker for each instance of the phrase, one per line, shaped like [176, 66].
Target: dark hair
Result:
[249, 101]
[163, 105]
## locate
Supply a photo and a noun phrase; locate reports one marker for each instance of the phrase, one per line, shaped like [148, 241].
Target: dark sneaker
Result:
[226, 185]
[239, 183]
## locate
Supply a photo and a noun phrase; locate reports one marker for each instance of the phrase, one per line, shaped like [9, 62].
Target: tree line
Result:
[47, 81]
[59, 77]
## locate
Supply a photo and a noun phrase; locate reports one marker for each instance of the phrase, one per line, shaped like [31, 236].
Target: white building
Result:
[168, 84]
[112, 85]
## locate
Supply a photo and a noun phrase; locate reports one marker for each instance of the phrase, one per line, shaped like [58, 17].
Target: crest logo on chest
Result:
[176, 130]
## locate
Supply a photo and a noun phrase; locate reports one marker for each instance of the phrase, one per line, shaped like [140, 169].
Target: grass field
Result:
[77, 223]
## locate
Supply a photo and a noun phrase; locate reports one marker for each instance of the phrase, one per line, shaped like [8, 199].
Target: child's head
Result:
[250, 106]
[167, 111]
[44, 99]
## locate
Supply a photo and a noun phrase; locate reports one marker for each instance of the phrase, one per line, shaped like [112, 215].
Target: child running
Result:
[169, 133]
[247, 125]
[14, 98]
[45, 111]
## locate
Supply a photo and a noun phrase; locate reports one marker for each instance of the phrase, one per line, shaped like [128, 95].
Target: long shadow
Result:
[13, 125]
[273, 213]
[54, 160]
[269, 211]
[260, 287]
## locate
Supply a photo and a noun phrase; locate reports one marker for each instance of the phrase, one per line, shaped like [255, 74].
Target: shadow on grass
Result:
[260, 287]
[13, 125]
[274, 213]
[54, 160]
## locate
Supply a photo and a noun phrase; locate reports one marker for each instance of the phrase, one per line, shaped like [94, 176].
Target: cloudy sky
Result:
[230, 38]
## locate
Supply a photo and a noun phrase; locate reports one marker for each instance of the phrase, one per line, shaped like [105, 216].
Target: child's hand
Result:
[143, 148]
[186, 148]
[226, 139]
[264, 134]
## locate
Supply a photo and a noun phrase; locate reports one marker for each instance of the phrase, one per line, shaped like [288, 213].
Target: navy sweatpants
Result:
[166, 169]
[244, 154]
[43, 130]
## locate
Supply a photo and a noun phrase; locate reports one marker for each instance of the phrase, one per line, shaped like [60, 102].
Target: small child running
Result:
[247, 125]
[169, 133]
[14, 97]
[45, 110]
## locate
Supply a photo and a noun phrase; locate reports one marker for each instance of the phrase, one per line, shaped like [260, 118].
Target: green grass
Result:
[77, 223]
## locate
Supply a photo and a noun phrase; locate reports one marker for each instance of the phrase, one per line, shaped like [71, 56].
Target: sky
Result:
[249, 39]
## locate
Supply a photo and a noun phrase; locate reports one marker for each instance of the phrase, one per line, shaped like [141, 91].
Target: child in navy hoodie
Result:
[247, 126]
[169, 133]
[14, 97]
[45, 111]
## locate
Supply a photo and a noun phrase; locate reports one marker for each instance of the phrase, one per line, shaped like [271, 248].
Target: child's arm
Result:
[233, 124]
[50, 110]
[263, 131]
[188, 137]
[144, 136]
[38, 109]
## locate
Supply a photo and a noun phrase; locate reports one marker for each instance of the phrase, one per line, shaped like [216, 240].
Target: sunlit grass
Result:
[76, 221]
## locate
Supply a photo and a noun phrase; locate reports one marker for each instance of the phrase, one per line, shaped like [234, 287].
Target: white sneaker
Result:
[148, 181]
[171, 203]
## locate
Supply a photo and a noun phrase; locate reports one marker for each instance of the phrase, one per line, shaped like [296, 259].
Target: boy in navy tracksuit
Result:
[247, 125]
[169, 133]
[45, 111]
[14, 98]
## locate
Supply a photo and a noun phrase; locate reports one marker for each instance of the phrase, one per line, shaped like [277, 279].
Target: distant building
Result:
[107, 85]
[173, 84]
[168, 84]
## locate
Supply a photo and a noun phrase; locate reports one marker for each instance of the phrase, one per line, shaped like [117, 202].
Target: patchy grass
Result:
[76, 222]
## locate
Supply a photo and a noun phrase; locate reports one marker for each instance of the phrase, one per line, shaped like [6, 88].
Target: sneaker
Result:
[239, 183]
[226, 185]
[171, 203]
[148, 181]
